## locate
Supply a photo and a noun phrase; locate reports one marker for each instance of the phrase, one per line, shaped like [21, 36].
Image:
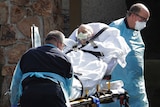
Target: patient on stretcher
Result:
[91, 64]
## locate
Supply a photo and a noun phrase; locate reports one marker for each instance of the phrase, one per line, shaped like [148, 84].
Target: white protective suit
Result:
[91, 69]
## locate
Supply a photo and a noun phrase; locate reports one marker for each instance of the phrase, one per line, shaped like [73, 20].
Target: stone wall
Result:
[16, 19]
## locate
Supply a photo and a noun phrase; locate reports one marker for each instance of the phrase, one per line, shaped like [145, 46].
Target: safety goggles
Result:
[143, 18]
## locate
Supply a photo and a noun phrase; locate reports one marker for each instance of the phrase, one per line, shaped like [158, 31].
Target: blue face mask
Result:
[140, 25]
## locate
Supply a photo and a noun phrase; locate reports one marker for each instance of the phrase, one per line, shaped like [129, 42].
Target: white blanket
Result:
[88, 67]
[91, 69]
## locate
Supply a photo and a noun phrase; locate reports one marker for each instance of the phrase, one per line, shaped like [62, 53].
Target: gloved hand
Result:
[96, 101]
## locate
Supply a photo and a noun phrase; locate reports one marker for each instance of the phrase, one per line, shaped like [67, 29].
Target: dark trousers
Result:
[43, 94]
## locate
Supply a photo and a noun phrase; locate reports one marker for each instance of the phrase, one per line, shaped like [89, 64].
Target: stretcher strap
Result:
[97, 54]
[97, 34]
[81, 84]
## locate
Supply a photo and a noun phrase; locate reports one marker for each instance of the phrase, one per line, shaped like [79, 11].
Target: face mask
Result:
[82, 36]
[140, 25]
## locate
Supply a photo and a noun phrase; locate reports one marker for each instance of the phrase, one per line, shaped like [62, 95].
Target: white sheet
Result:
[90, 69]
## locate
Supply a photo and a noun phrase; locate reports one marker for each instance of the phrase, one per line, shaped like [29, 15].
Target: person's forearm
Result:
[15, 86]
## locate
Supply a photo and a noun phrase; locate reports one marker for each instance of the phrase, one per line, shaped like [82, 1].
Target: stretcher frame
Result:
[103, 98]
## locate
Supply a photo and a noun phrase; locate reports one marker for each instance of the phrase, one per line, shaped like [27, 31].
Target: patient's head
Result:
[85, 32]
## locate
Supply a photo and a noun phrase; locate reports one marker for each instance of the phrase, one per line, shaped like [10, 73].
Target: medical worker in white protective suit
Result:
[90, 68]
[133, 74]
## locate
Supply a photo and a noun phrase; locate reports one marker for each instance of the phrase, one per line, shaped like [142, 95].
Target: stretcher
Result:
[91, 64]
[103, 96]
[94, 101]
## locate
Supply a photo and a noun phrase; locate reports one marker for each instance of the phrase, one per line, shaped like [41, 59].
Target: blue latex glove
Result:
[95, 100]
